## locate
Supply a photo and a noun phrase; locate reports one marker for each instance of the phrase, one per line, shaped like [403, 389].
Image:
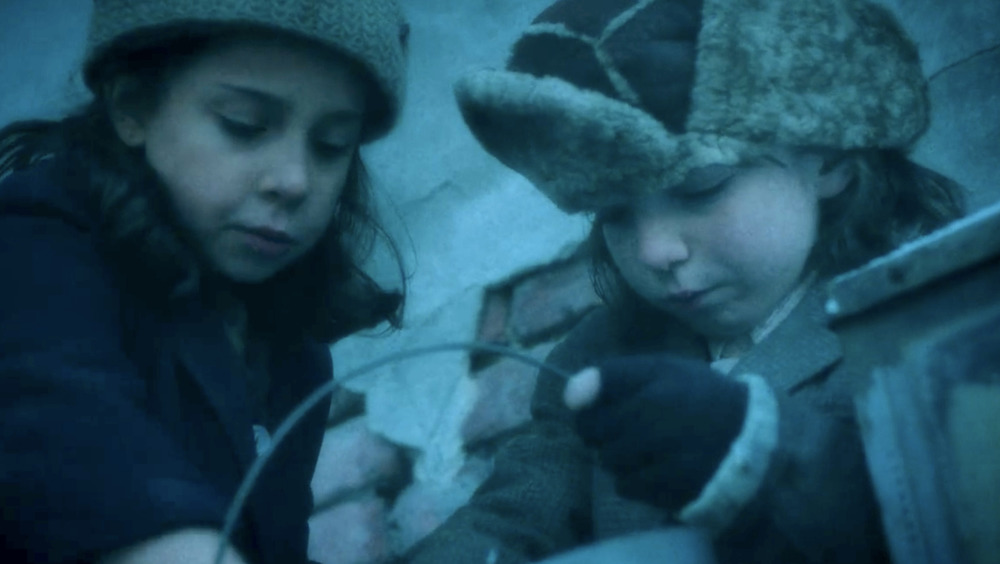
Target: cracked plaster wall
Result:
[960, 50]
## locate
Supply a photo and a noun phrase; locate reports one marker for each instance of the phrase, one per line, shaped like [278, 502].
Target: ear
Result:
[127, 123]
[831, 180]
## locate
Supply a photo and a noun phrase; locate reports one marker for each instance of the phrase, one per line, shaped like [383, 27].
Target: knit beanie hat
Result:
[372, 33]
[605, 99]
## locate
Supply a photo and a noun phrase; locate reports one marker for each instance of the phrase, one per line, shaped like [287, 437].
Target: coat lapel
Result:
[799, 349]
[204, 351]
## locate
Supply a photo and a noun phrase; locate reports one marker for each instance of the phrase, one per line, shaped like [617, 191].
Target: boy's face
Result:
[254, 142]
[721, 250]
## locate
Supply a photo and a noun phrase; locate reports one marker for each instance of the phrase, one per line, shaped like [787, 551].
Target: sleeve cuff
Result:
[742, 471]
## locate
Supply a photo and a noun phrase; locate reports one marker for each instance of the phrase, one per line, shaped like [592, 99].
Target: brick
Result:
[503, 400]
[353, 458]
[354, 532]
[550, 302]
[493, 319]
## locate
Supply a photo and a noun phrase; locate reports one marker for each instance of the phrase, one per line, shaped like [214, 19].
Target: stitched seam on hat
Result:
[617, 79]
[559, 30]
[623, 18]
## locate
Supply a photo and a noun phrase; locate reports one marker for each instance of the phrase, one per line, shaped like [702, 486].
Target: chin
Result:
[719, 328]
[248, 274]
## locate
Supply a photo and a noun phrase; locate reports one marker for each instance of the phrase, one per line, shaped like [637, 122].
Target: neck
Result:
[730, 347]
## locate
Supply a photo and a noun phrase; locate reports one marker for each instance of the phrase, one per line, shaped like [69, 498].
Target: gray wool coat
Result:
[547, 495]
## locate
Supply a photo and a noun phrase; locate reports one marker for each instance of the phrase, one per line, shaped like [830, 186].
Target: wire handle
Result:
[300, 411]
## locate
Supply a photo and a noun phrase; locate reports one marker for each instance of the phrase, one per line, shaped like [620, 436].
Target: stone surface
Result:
[964, 138]
[355, 532]
[551, 301]
[447, 38]
[41, 49]
[947, 31]
[423, 506]
[419, 401]
[960, 49]
[352, 458]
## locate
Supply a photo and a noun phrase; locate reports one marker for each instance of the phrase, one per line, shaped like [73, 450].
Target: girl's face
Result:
[722, 249]
[254, 142]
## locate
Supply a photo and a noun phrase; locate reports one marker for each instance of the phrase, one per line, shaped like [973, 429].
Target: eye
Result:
[241, 129]
[329, 151]
[700, 194]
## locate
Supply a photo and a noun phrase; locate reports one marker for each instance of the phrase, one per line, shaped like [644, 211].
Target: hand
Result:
[661, 424]
[186, 546]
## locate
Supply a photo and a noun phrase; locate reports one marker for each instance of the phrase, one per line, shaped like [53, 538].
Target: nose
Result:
[660, 242]
[285, 176]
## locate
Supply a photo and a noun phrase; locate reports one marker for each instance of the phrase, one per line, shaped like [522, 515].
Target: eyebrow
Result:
[335, 117]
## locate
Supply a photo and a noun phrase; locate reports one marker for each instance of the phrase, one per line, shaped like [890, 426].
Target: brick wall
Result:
[368, 505]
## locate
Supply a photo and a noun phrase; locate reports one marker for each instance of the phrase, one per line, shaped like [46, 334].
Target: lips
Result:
[269, 234]
[267, 241]
[687, 299]
[684, 295]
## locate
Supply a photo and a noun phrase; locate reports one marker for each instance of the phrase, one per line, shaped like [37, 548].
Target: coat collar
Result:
[204, 350]
[798, 350]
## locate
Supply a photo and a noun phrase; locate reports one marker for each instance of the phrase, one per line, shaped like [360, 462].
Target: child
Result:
[735, 155]
[177, 257]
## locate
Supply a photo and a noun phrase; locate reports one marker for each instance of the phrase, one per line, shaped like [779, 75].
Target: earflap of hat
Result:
[580, 148]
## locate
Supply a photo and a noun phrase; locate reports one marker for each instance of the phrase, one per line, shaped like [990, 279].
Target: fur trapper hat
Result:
[373, 33]
[605, 99]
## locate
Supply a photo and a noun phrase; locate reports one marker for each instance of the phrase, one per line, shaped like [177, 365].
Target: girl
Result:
[735, 155]
[177, 257]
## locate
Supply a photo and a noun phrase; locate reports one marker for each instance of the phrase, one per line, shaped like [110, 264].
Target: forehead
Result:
[293, 69]
[710, 175]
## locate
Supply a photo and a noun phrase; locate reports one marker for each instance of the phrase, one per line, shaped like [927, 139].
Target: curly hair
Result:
[889, 201]
[325, 295]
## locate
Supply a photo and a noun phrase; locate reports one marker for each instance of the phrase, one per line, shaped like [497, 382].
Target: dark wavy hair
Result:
[323, 296]
[889, 201]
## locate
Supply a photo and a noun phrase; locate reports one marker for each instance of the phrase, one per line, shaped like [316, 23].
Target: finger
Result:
[627, 376]
[604, 423]
[582, 389]
[633, 445]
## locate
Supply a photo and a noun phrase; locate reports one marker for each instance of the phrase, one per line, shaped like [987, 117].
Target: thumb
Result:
[582, 389]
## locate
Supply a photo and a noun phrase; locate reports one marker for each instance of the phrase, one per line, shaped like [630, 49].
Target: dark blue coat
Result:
[118, 423]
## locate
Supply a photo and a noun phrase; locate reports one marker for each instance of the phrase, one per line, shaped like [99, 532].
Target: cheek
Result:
[321, 208]
[198, 199]
[197, 176]
[772, 238]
